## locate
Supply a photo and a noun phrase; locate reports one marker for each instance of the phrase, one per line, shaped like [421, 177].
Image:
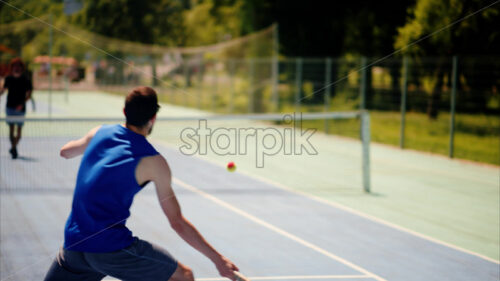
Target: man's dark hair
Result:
[140, 106]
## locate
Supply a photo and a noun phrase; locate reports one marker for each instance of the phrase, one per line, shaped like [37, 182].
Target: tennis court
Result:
[366, 138]
[274, 222]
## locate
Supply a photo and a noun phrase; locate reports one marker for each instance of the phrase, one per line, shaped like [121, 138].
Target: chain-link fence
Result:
[447, 105]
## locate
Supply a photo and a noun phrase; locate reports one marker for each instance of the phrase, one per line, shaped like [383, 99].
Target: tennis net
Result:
[269, 145]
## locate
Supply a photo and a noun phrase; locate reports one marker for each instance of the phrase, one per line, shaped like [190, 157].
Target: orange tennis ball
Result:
[231, 167]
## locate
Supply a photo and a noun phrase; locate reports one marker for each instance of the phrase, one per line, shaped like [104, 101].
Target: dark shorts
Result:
[140, 261]
[11, 112]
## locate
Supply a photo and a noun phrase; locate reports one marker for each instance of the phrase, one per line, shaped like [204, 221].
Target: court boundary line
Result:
[373, 218]
[292, 277]
[278, 277]
[276, 229]
[343, 207]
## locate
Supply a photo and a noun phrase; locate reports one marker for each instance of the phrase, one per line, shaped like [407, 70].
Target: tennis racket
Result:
[33, 105]
[240, 277]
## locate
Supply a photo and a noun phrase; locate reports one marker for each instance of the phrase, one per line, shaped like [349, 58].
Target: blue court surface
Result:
[270, 232]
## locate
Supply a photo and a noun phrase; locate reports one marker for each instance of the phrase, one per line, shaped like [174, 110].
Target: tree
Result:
[475, 35]
[370, 30]
[145, 21]
[19, 35]
[210, 22]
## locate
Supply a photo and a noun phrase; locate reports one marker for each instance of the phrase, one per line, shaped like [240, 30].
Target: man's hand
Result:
[19, 107]
[225, 267]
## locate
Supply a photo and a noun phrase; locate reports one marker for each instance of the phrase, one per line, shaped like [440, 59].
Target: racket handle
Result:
[240, 277]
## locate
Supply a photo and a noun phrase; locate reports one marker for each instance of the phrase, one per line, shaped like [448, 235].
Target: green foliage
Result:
[206, 23]
[19, 38]
[371, 26]
[144, 21]
[474, 35]
[34, 8]
[453, 28]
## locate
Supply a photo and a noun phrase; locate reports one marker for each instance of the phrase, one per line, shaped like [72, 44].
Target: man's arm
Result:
[155, 168]
[28, 95]
[29, 90]
[77, 147]
[4, 86]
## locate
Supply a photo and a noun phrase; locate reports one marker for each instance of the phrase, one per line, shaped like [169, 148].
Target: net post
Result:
[365, 143]
[328, 74]
[298, 83]
[404, 90]
[362, 86]
[250, 85]
[454, 79]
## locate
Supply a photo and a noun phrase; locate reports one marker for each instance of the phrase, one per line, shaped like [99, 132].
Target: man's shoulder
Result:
[153, 160]
[151, 167]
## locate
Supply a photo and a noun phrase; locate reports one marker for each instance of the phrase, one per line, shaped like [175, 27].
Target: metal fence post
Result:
[152, 61]
[200, 84]
[214, 88]
[232, 69]
[185, 73]
[365, 142]
[454, 81]
[298, 83]
[173, 91]
[404, 89]
[362, 86]
[50, 66]
[328, 74]
[275, 68]
[250, 86]
[66, 88]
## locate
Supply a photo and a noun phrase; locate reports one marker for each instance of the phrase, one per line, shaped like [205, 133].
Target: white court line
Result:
[342, 207]
[370, 217]
[294, 277]
[276, 229]
[345, 208]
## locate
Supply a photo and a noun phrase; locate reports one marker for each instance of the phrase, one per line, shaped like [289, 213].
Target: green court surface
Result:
[87, 104]
[454, 202]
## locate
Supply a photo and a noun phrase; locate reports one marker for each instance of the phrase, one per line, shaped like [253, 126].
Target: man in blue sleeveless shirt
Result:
[117, 162]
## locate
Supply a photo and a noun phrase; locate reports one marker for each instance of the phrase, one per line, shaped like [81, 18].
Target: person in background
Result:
[19, 92]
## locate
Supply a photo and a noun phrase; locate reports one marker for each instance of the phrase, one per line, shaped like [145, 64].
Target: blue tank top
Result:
[105, 188]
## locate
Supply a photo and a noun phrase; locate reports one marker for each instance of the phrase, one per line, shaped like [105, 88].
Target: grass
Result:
[477, 137]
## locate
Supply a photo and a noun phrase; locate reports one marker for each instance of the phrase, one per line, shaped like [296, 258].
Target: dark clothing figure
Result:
[18, 88]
